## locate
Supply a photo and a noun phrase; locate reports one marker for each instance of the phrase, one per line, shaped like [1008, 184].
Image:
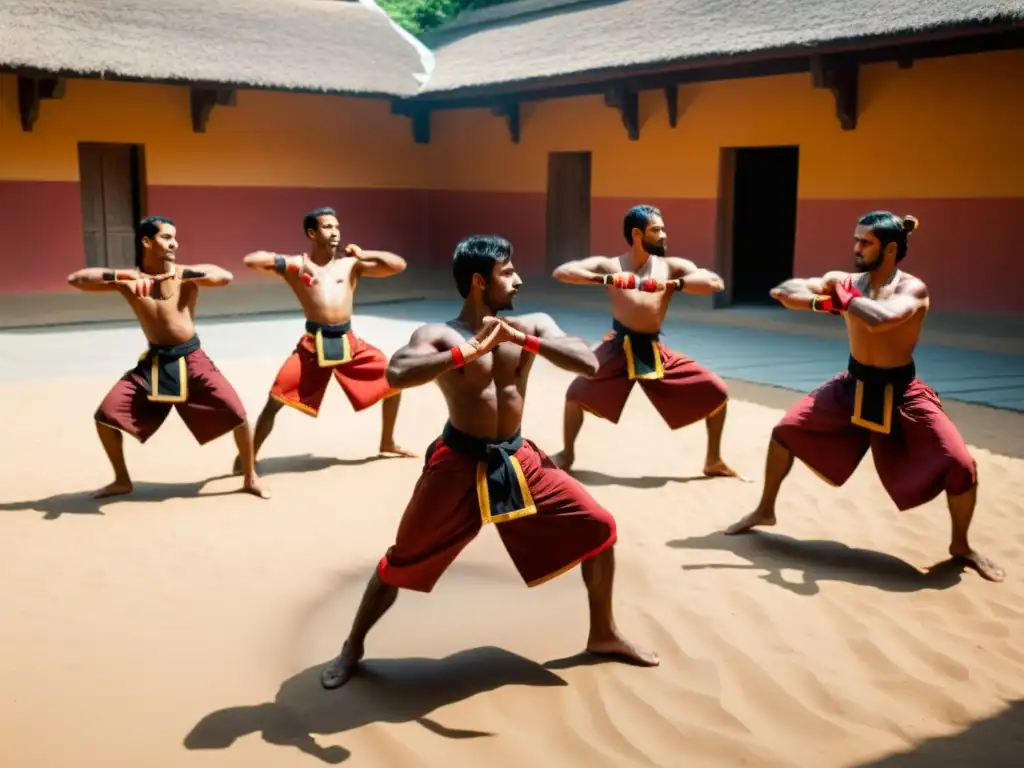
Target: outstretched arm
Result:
[206, 275]
[102, 279]
[800, 293]
[584, 272]
[690, 278]
[376, 263]
[541, 335]
[906, 301]
[278, 263]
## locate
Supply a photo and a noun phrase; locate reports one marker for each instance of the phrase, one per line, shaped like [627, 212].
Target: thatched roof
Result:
[316, 45]
[534, 40]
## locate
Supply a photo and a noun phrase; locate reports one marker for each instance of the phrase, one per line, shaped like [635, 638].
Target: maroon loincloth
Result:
[917, 451]
[183, 377]
[554, 525]
[681, 390]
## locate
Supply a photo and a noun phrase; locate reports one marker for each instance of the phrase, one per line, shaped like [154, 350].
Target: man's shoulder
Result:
[532, 322]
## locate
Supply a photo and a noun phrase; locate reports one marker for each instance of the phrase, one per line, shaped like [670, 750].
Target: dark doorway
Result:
[763, 228]
[568, 220]
[112, 189]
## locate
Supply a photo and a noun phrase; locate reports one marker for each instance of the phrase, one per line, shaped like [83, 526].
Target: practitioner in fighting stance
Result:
[481, 470]
[175, 371]
[325, 285]
[641, 284]
[878, 402]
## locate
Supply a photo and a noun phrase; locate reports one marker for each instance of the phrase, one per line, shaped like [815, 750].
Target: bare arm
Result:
[376, 263]
[427, 355]
[693, 279]
[101, 279]
[585, 271]
[799, 292]
[569, 353]
[206, 275]
[261, 260]
[907, 300]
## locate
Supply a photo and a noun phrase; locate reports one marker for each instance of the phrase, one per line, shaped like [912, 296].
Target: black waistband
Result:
[480, 448]
[869, 374]
[176, 351]
[328, 329]
[622, 330]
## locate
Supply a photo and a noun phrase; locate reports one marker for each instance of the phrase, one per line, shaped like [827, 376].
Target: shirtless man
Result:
[174, 370]
[878, 403]
[481, 470]
[325, 284]
[640, 285]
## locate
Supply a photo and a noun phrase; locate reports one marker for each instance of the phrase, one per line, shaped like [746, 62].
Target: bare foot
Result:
[252, 485]
[341, 668]
[116, 488]
[755, 518]
[394, 449]
[983, 565]
[563, 460]
[720, 469]
[619, 648]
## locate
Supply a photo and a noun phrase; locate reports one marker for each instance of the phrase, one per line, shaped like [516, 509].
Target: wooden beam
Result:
[510, 111]
[627, 102]
[842, 77]
[421, 126]
[203, 100]
[32, 90]
[672, 104]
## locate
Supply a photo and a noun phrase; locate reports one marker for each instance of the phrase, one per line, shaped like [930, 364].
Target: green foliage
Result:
[420, 16]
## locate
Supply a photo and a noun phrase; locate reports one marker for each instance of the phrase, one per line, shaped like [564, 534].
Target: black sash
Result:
[643, 358]
[165, 371]
[332, 345]
[879, 391]
[501, 485]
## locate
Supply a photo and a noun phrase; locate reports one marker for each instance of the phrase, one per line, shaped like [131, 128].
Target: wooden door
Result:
[110, 184]
[568, 210]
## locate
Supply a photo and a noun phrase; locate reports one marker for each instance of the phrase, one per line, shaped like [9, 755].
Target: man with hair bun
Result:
[878, 402]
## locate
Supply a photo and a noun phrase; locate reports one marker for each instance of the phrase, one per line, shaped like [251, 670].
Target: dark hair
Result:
[890, 228]
[312, 219]
[638, 217]
[477, 255]
[148, 227]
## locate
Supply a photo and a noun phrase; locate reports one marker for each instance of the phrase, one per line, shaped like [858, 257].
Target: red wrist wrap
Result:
[531, 344]
[457, 357]
[649, 285]
[843, 294]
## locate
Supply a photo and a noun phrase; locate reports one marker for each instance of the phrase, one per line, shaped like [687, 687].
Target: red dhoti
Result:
[680, 389]
[917, 451]
[332, 350]
[182, 377]
[546, 520]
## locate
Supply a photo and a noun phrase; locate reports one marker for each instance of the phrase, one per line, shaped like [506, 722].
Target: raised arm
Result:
[587, 271]
[278, 263]
[802, 293]
[206, 275]
[435, 349]
[540, 334]
[690, 278]
[909, 298]
[375, 263]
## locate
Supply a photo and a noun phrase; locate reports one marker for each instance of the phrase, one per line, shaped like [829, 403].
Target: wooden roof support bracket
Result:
[672, 105]
[628, 104]
[419, 115]
[203, 101]
[841, 76]
[33, 90]
[510, 112]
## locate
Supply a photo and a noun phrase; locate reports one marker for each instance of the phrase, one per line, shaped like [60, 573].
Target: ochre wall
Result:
[243, 185]
[941, 140]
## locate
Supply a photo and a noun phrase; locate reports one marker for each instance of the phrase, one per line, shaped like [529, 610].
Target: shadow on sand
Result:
[307, 462]
[83, 503]
[820, 561]
[997, 742]
[383, 691]
[592, 477]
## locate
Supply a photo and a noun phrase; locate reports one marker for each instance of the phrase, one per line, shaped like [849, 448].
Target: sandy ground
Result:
[187, 625]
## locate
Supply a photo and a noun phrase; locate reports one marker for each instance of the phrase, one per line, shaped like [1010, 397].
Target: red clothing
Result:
[681, 390]
[182, 377]
[554, 526]
[326, 351]
[918, 454]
